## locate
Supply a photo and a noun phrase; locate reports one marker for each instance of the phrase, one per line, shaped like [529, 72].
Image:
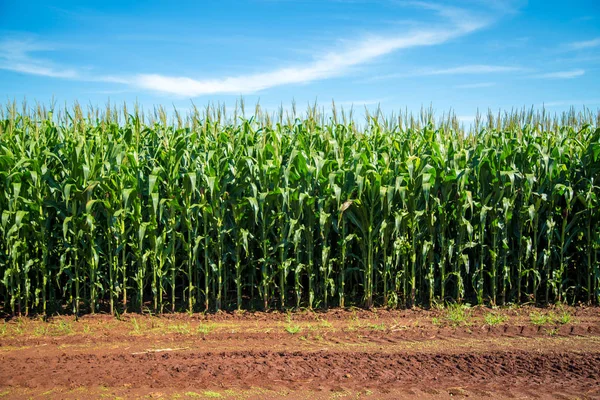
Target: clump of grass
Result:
[453, 315]
[182, 329]
[493, 319]
[18, 328]
[205, 329]
[378, 327]
[458, 315]
[564, 318]
[292, 329]
[207, 393]
[326, 324]
[156, 323]
[212, 394]
[288, 316]
[552, 332]
[136, 327]
[63, 328]
[40, 330]
[539, 318]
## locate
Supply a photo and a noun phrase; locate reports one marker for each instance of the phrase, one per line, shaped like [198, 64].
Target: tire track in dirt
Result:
[298, 370]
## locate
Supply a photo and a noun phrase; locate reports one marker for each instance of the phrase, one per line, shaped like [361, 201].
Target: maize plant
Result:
[115, 211]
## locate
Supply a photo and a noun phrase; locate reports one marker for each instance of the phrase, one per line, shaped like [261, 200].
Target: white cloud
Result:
[34, 69]
[561, 74]
[569, 103]
[15, 56]
[453, 23]
[469, 70]
[476, 69]
[586, 44]
[329, 65]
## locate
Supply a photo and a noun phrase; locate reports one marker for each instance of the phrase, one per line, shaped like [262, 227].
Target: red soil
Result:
[339, 354]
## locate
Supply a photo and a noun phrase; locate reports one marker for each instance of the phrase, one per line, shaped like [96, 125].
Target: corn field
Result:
[119, 210]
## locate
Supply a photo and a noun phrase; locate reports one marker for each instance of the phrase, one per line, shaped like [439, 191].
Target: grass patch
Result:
[564, 318]
[453, 315]
[18, 328]
[325, 324]
[205, 329]
[63, 328]
[538, 318]
[353, 326]
[378, 327]
[458, 315]
[212, 394]
[182, 329]
[493, 319]
[136, 328]
[40, 330]
[552, 332]
[292, 329]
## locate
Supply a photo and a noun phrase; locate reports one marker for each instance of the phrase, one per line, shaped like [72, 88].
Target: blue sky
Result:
[462, 55]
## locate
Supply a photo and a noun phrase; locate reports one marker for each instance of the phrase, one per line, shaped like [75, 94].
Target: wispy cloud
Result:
[19, 56]
[469, 70]
[453, 23]
[476, 69]
[15, 55]
[476, 85]
[586, 44]
[504, 44]
[33, 69]
[330, 65]
[569, 103]
[561, 74]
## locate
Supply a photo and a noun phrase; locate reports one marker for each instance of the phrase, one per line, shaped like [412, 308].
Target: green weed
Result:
[493, 319]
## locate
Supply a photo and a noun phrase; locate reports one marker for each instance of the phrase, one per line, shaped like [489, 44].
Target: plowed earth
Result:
[517, 353]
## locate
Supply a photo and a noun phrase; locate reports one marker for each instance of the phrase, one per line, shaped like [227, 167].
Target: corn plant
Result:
[111, 210]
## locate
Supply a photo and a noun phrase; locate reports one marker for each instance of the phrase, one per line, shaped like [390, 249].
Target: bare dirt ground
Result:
[437, 354]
